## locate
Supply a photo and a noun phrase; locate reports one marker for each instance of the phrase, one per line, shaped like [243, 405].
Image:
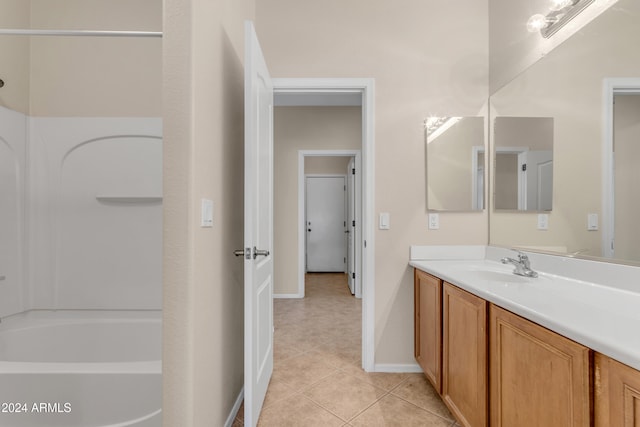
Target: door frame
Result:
[365, 88]
[611, 87]
[302, 226]
[477, 201]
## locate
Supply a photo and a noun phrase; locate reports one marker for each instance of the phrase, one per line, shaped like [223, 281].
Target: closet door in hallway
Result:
[326, 223]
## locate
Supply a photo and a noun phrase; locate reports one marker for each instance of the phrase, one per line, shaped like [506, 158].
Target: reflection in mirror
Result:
[626, 176]
[523, 163]
[455, 163]
[594, 204]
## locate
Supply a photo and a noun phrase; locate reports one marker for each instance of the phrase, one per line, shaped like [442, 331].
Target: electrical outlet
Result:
[543, 221]
[434, 221]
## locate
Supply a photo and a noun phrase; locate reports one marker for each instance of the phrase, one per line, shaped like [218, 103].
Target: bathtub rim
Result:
[41, 318]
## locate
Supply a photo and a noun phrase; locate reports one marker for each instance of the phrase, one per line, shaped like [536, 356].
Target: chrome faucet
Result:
[522, 264]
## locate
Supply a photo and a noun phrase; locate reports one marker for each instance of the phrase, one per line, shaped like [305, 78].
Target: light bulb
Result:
[536, 22]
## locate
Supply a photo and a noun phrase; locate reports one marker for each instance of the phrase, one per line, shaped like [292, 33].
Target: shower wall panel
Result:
[12, 204]
[97, 226]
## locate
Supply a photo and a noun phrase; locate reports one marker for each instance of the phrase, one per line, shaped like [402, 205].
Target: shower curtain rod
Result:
[85, 33]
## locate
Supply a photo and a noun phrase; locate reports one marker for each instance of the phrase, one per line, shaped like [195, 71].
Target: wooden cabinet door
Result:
[464, 358]
[617, 393]
[428, 326]
[538, 378]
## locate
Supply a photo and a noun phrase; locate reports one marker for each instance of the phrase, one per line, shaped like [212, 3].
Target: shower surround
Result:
[80, 259]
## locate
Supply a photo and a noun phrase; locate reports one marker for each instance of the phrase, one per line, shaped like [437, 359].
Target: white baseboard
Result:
[234, 411]
[288, 296]
[397, 368]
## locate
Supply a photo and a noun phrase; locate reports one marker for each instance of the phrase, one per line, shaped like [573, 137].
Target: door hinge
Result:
[524, 167]
[345, 260]
[353, 275]
[345, 188]
[353, 171]
[353, 223]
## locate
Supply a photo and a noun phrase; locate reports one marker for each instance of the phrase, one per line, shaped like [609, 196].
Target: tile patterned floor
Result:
[317, 377]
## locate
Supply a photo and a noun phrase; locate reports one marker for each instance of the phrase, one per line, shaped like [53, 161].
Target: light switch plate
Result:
[434, 221]
[543, 221]
[592, 221]
[385, 221]
[206, 218]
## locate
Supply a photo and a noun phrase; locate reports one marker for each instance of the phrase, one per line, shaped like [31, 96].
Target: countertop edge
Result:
[575, 330]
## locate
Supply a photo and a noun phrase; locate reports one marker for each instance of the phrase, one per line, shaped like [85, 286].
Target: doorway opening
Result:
[324, 250]
[328, 92]
[620, 152]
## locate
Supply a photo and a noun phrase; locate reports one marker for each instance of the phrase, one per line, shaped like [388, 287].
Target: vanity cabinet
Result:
[464, 356]
[617, 393]
[538, 378]
[493, 367]
[428, 326]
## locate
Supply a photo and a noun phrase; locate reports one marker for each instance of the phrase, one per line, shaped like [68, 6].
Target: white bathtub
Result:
[81, 368]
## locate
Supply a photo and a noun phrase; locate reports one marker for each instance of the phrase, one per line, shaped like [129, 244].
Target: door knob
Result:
[260, 252]
[246, 252]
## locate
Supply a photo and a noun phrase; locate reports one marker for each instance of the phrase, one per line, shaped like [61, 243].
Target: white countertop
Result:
[601, 317]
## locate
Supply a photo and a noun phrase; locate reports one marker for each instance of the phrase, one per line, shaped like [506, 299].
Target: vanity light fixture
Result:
[560, 12]
[436, 126]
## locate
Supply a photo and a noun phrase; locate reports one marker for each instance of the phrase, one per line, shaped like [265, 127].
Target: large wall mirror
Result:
[455, 163]
[573, 87]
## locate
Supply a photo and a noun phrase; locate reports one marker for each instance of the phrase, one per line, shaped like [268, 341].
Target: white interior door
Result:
[351, 221]
[539, 180]
[326, 223]
[258, 228]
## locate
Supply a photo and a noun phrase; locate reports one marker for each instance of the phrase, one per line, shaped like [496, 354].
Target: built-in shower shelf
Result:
[128, 199]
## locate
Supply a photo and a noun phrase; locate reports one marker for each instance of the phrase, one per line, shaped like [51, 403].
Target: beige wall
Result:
[302, 128]
[14, 51]
[427, 58]
[505, 190]
[82, 76]
[203, 158]
[96, 76]
[328, 165]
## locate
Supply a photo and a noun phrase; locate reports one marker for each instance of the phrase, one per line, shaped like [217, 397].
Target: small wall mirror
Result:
[455, 163]
[523, 163]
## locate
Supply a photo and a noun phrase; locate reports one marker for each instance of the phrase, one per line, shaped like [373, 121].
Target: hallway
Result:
[317, 377]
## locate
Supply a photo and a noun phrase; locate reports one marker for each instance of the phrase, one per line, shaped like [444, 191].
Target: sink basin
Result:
[500, 276]
[494, 273]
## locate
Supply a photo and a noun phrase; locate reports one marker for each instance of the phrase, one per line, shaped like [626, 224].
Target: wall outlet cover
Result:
[434, 221]
[543, 221]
